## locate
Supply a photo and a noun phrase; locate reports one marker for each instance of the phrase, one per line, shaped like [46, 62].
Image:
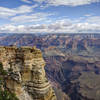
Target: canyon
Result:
[72, 62]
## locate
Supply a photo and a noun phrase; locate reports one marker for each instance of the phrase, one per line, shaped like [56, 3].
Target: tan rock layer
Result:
[26, 75]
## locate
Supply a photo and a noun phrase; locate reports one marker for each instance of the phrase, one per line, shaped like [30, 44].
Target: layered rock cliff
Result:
[25, 73]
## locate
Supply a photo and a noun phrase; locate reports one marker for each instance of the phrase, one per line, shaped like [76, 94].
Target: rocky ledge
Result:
[25, 73]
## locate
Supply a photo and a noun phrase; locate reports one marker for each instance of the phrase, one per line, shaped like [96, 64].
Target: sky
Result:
[49, 16]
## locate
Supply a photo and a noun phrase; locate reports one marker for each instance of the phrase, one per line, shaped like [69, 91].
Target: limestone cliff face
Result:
[26, 75]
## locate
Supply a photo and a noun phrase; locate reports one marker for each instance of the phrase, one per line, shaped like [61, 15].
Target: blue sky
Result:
[66, 16]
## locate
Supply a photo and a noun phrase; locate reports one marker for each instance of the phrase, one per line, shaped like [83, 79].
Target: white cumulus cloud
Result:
[8, 12]
[36, 17]
[67, 2]
[59, 26]
[26, 1]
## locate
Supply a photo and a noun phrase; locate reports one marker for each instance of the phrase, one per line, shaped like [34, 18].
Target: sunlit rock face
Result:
[26, 75]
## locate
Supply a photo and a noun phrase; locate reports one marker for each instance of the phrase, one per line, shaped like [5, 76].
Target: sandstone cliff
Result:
[25, 73]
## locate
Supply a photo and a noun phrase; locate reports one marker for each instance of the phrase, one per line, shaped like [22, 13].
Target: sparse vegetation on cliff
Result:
[4, 93]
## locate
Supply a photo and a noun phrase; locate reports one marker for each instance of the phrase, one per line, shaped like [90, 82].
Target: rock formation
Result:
[25, 73]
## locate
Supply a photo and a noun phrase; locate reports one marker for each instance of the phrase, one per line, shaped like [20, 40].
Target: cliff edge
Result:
[25, 73]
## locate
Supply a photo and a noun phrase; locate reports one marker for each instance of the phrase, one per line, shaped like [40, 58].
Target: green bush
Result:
[2, 71]
[6, 95]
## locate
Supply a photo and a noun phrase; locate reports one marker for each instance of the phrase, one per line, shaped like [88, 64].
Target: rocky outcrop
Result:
[25, 73]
